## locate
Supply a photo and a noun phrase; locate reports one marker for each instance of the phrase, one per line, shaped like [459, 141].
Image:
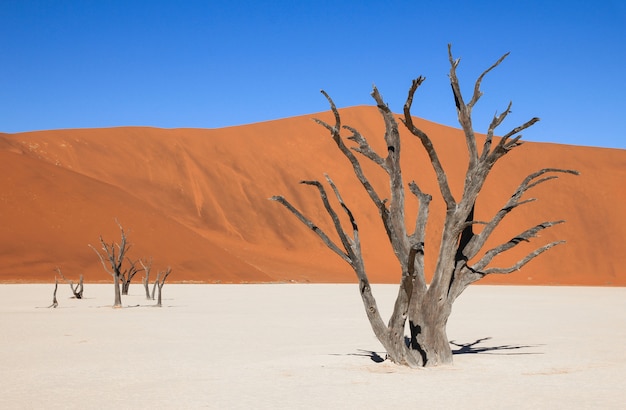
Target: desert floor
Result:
[305, 346]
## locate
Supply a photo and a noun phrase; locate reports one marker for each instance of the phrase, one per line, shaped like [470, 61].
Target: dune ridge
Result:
[197, 200]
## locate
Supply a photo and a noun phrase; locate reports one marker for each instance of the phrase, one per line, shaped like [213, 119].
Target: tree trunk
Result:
[146, 287]
[55, 302]
[78, 291]
[159, 296]
[427, 323]
[125, 287]
[156, 282]
[118, 295]
[400, 352]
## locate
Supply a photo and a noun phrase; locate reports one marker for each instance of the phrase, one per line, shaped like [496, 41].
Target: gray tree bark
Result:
[427, 306]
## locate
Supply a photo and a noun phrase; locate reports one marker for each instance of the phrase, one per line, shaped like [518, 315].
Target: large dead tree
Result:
[461, 259]
[112, 258]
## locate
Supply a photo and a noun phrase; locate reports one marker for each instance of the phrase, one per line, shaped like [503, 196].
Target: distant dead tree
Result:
[128, 274]
[147, 266]
[460, 260]
[76, 290]
[155, 284]
[112, 257]
[55, 302]
[160, 282]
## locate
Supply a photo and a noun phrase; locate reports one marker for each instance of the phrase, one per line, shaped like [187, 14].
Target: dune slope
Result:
[197, 200]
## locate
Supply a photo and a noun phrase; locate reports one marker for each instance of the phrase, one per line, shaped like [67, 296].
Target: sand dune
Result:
[197, 200]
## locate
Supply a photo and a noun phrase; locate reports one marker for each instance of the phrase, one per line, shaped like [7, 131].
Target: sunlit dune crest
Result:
[197, 200]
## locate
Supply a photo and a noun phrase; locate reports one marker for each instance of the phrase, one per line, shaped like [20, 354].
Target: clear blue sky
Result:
[210, 64]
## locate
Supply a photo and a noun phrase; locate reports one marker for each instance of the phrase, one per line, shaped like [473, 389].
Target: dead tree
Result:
[55, 302]
[112, 257]
[461, 259]
[128, 274]
[163, 276]
[147, 266]
[76, 290]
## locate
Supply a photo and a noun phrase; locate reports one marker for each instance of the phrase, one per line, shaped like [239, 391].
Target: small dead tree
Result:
[128, 274]
[155, 284]
[77, 290]
[112, 257]
[460, 260]
[55, 302]
[160, 283]
[147, 266]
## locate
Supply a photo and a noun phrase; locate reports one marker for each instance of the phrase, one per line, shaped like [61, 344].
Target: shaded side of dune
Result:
[198, 200]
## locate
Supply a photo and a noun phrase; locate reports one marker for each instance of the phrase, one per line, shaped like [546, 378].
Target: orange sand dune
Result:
[197, 200]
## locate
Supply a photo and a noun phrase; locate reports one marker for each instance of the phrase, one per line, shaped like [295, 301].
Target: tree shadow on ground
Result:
[462, 348]
[374, 356]
[474, 348]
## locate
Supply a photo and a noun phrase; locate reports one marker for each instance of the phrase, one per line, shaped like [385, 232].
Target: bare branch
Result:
[352, 247]
[354, 243]
[522, 237]
[392, 135]
[464, 112]
[128, 274]
[419, 234]
[418, 237]
[356, 166]
[164, 277]
[456, 90]
[76, 290]
[364, 148]
[391, 226]
[104, 265]
[396, 224]
[327, 241]
[442, 179]
[342, 203]
[477, 93]
[521, 262]
[531, 181]
[495, 123]
[146, 264]
[506, 144]
[333, 108]
[58, 271]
